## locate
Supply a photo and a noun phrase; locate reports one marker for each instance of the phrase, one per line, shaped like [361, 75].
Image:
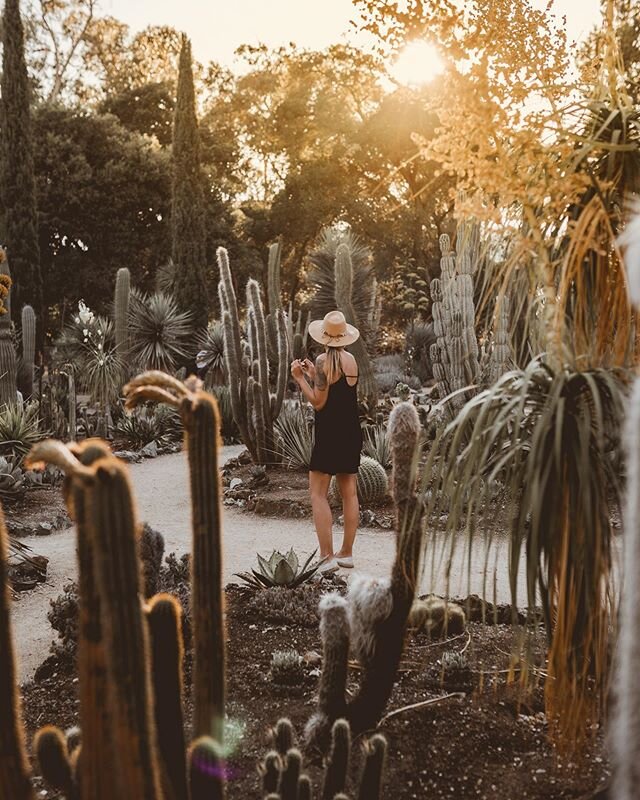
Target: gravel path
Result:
[162, 492]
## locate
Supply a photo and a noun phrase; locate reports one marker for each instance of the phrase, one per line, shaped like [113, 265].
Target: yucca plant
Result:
[295, 436]
[376, 444]
[211, 354]
[147, 424]
[228, 428]
[160, 333]
[280, 570]
[19, 429]
[545, 439]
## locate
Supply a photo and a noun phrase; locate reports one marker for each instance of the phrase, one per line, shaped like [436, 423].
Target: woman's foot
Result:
[345, 561]
[329, 564]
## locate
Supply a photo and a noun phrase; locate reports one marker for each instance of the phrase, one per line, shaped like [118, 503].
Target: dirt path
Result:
[162, 492]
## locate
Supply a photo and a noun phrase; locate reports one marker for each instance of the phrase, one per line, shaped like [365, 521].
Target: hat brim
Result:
[318, 334]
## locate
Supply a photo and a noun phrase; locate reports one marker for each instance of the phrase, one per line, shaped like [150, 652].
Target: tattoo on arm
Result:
[321, 378]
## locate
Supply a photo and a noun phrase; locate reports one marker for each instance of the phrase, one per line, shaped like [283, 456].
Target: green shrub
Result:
[19, 429]
[294, 436]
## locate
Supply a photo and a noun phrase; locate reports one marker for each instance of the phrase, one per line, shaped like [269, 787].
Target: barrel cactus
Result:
[373, 484]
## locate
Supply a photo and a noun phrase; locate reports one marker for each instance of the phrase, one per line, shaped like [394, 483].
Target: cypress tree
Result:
[188, 226]
[17, 179]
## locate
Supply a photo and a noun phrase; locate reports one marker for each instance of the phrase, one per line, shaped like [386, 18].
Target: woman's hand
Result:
[297, 370]
[309, 369]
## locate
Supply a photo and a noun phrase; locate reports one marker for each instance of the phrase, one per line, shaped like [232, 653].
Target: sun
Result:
[419, 62]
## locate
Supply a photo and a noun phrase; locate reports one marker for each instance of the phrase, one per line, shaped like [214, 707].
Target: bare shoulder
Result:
[349, 364]
[321, 359]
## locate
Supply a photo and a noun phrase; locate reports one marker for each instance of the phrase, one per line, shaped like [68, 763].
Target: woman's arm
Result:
[318, 393]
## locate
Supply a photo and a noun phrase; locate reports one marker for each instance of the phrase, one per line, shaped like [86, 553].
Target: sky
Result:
[218, 28]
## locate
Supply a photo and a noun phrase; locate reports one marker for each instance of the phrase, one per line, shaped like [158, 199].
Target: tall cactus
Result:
[28, 347]
[14, 765]
[121, 310]
[455, 354]
[255, 408]
[377, 609]
[344, 290]
[501, 357]
[8, 368]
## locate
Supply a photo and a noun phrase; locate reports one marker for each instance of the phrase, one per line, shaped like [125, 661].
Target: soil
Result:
[40, 512]
[485, 742]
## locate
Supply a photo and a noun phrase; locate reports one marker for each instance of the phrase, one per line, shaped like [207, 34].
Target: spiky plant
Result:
[545, 438]
[376, 444]
[280, 570]
[294, 436]
[160, 334]
[20, 429]
[211, 354]
[148, 424]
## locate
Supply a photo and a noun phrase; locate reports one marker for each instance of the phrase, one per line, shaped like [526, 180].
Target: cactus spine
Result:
[343, 294]
[8, 368]
[255, 408]
[14, 766]
[455, 354]
[121, 306]
[29, 347]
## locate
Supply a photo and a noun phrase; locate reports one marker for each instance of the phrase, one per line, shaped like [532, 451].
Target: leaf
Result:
[283, 574]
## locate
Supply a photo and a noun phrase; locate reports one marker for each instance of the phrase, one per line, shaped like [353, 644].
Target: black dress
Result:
[338, 436]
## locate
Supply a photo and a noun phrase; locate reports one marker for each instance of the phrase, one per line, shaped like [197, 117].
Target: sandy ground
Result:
[162, 492]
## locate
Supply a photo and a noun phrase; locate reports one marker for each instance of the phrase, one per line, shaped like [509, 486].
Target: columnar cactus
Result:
[255, 408]
[455, 355]
[28, 347]
[8, 368]
[121, 310]
[298, 331]
[377, 609]
[501, 357]
[282, 777]
[367, 387]
[14, 765]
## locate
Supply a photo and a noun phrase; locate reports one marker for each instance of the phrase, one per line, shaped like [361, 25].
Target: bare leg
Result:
[351, 510]
[322, 517]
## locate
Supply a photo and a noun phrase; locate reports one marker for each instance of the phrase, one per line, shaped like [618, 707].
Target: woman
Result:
[338, 438]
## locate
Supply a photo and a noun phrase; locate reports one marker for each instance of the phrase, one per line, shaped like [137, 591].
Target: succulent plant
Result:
[287, 667]
[372, 481]
[280, 570]
[12, 484]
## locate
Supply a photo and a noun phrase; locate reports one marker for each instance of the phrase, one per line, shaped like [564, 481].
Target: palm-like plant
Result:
[160, 333]
[544, 440]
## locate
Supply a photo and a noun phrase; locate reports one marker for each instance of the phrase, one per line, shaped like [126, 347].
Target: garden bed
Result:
[487, 742]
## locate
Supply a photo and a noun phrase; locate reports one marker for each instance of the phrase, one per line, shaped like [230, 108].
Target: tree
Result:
[188, 207]
[19, 210]
[94, 218]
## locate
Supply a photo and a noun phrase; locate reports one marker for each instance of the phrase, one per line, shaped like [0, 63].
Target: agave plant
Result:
[19, 429]
[295, 436]
[147, 424]
[376, 444]
[12, 484]
[280, 570]
[160, 333]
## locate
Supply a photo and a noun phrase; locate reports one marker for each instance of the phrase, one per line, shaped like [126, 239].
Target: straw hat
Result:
[333, 330]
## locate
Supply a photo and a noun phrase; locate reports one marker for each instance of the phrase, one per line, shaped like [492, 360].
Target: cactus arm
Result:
[283, 366]
[165, 628]
[96, 762]
[121, 309]
[115, 529]
[201, 421]
[258, 419]
[14, 766]
[371, 780]
[231, 306]
[29, 346]
[8, 369]
[51, 751]
[254, 303]
[291, 775]
[337, 766]
[206, 770]
[273, 277]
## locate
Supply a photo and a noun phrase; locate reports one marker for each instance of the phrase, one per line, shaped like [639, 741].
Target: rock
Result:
[235, 482]
[244, 457]
[26, 574]
[129, 456]
[45, 529]
[312, 658]
[150, 450]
